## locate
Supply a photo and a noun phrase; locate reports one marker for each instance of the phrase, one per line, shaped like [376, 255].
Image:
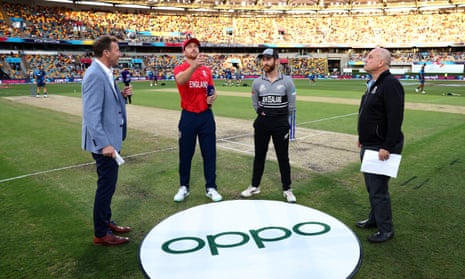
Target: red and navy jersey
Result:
[194, 92]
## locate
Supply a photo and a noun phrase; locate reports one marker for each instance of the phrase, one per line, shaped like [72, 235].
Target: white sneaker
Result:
[45, 95]
[37, 96]
[213, 195]
[181, 194]
[423, 92]
[416, 90]
[250, 191]
[289, 196]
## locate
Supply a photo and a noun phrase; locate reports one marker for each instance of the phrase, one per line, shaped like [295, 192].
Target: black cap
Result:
[269, 52]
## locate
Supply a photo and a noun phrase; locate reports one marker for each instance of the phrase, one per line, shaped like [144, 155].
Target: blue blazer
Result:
[103, 111]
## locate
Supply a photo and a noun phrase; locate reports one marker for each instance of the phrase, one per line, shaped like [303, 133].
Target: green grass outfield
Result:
[47, 183]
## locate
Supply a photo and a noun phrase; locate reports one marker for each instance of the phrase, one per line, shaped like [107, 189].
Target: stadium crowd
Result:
[66, 67]
[62, 23]
[66, 23]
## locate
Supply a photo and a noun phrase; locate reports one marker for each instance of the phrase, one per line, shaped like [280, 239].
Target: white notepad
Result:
[372, 164]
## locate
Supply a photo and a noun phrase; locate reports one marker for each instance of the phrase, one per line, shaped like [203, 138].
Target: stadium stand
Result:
[59, 37]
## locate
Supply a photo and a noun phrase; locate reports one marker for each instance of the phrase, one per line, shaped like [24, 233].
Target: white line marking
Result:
[78, 166]
[234, 142]
[46, 171]
[329, 118]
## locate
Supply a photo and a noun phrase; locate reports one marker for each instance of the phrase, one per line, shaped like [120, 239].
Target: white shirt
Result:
[108, 71]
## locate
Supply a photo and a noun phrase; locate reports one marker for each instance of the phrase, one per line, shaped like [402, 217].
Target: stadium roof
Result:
[283, 6]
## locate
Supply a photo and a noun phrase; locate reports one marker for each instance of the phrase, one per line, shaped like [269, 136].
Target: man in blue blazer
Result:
[103, 132]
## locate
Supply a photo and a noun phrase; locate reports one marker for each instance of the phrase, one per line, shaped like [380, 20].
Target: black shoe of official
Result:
[380, 237]
[365, 224]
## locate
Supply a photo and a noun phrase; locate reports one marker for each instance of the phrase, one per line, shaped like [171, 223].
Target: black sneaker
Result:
[380, 237]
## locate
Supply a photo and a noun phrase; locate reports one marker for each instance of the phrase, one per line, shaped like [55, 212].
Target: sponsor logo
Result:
[256, 236]
[250, 239]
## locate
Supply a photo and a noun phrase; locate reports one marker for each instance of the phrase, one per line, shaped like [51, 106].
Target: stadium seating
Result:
[64, 23]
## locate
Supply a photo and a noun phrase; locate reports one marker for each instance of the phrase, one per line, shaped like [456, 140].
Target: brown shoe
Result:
[118, 229]
[110, 240]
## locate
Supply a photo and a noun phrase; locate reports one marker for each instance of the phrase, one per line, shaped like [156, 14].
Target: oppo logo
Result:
[192, 244]
[238, 233]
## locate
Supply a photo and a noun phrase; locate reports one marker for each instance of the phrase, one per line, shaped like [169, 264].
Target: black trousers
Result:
[380, 201]
[277, 129]
[107, 171]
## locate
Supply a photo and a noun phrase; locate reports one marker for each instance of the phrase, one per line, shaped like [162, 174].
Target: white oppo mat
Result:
[244, 239]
